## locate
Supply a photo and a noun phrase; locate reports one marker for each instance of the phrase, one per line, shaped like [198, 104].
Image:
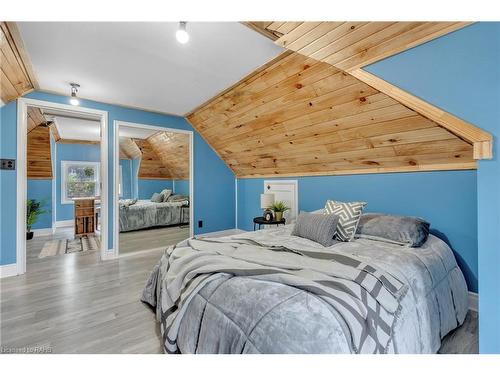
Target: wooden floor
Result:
[75, 303]
[130, 242]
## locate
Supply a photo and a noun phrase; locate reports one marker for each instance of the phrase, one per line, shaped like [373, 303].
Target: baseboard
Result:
[43, 231]
[64, 223]
[473, 301]
[221, 233]
[8, 270]
[109, 255]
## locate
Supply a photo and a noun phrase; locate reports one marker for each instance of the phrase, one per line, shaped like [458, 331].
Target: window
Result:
[79, 179]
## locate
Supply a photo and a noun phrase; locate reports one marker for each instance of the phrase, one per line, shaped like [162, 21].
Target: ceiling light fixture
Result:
[74, 89]
[181, 34]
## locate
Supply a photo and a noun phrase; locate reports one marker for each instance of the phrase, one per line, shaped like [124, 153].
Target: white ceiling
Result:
[142, 64]
[137, 133]
[78, 129]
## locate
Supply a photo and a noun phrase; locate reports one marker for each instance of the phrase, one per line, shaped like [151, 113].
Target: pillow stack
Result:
[348, 214]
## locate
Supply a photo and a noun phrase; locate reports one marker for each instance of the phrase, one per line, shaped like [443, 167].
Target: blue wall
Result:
[449, 209]
[213, 180]
[181, 187]
[71, 152]
[148, 187]
[8, 186]
[460, 73]
[41, 190]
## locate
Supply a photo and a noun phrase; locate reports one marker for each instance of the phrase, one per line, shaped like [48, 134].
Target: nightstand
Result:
[261, 221]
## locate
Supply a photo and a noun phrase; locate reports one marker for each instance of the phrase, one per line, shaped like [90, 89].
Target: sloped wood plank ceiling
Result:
[163, 155]
[301, 116]
[173, 150]
[317, 113]
[351, 45]
[16, 74]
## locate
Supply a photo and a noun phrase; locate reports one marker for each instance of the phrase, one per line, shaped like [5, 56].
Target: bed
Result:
[271, 292]
[146, 214]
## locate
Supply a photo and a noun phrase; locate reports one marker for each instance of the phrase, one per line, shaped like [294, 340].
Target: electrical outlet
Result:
[9, 164]
[200, 223]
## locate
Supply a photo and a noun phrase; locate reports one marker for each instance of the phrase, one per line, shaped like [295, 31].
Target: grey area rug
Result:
[58, 247]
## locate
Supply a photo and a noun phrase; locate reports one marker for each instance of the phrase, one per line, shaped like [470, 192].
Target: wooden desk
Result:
[84, 216]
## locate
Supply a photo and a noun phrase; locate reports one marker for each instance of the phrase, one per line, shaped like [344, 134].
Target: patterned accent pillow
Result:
[349, 214]
[165, 193]
[316, 227]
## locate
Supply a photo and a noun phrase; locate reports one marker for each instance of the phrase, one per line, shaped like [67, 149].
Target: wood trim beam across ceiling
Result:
[482, 141]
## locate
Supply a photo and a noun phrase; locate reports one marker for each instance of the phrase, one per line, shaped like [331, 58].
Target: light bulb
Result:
[182, 36]
[74, 89]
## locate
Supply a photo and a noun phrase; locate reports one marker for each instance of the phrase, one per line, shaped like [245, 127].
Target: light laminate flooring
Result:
[131, 242]
[76, 303]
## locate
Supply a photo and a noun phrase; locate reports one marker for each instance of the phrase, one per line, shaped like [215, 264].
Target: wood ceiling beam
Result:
[482, 141]
[261, 28]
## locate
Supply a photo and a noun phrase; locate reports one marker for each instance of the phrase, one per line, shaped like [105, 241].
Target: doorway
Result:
[43, 131]
[153, 187]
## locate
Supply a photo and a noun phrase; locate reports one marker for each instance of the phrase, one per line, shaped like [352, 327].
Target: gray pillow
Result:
[165, 193]
[157, 198]
[402, 230]
[316, 227]
[177, 198]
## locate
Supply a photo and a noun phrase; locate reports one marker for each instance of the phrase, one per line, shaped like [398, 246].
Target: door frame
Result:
[22, 178]
[116, 175]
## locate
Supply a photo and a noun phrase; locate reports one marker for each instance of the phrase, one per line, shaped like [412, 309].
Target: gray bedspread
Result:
[147, 214]
[229, 311]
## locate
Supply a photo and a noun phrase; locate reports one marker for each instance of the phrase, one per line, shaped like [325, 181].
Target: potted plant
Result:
[278, 208]
[33, 211]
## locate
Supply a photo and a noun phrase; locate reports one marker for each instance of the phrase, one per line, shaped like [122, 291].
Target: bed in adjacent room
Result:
[277, 291]
[142, 214]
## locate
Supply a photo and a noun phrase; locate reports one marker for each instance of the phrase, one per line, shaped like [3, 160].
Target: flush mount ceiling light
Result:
[74, 89]
[181, 34]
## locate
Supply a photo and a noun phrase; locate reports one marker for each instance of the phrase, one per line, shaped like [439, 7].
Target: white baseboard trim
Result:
[64, 223]
[473, 301]
[43, 231]
[8, 270]
[108, 255]
[221, 233]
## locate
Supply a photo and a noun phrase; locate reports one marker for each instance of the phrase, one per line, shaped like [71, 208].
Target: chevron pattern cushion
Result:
[349, 214]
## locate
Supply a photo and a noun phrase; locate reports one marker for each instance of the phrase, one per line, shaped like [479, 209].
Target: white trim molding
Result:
[43, 231]
[8, 270]
[65, 223]
[473, 301]
[22, 119]
[116, 163]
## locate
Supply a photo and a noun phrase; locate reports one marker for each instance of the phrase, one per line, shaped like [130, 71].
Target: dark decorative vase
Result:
[29, 235]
